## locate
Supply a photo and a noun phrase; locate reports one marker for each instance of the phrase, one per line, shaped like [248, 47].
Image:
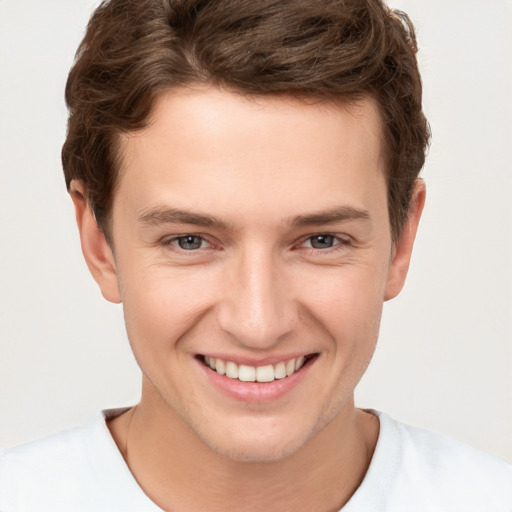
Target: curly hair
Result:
[337, 50]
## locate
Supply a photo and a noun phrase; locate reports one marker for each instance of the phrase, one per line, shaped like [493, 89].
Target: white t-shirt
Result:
[82, 470]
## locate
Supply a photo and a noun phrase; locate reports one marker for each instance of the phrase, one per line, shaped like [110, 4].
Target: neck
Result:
[171, 464]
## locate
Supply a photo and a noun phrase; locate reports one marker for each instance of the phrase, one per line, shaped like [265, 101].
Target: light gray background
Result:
[444, 359]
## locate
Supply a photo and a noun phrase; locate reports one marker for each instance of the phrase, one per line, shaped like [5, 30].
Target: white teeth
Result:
[290, 367]
[220, 367]
[265, 373]
[231, 370]
[247, 373]
[280, 371]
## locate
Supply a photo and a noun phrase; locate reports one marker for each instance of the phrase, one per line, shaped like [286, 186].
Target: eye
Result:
[322, 241]
[188, 242]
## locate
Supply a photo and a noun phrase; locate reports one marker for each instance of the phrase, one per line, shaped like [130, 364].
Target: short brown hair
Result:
[338, 50]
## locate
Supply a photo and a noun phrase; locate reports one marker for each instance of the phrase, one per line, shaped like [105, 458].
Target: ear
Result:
[402, 250]
[97, 252]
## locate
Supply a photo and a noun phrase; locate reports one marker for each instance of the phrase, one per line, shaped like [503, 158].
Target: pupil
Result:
[322, 241]
[190, 242]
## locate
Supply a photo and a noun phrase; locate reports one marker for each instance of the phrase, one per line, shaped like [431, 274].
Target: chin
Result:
[256, 445]
[256, 452]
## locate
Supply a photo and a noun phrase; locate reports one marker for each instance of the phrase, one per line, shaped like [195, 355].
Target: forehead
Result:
[209, 149]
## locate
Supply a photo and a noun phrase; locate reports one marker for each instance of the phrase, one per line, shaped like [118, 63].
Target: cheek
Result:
[160, 305]
[346, 292]
[348, 303]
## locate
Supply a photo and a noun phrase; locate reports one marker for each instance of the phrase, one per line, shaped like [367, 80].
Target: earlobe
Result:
[403, 247]
[96, 250]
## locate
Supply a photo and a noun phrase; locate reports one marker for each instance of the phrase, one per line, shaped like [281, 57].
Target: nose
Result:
[258, 308]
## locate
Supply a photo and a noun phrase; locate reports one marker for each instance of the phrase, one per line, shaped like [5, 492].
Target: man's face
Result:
[252, 232]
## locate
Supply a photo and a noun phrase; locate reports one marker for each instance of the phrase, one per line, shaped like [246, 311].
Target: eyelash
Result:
[340, 243]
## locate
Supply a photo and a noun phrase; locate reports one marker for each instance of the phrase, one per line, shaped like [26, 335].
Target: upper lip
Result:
[251, 361]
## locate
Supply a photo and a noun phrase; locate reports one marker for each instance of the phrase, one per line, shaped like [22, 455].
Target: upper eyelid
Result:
[183, 235]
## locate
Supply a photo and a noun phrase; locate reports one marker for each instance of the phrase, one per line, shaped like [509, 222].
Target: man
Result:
[245, 181]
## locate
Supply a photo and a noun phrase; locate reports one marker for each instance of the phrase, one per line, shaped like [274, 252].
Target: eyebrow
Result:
[164, 215]
[340, 214]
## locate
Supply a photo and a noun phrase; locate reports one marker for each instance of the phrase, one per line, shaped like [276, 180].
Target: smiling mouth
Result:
[267, 373]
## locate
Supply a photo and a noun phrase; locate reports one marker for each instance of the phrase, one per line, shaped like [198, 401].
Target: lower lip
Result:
[256, 392]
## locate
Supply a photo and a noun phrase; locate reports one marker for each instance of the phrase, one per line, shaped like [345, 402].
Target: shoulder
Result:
[67, 444]
[438, 472]
[452, 459]
[45, 467]
[79, 469]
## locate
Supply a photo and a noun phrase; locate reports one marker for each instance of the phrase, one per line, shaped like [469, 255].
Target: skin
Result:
[255, 290]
